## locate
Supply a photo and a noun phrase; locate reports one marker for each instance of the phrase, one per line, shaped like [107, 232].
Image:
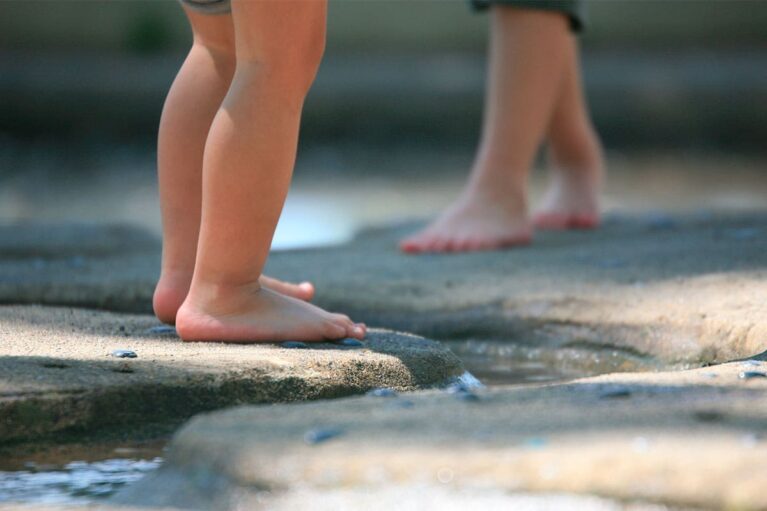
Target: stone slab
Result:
[693, 438]
[679, 290]
[673, 290]
[57, 374]
[113, 267]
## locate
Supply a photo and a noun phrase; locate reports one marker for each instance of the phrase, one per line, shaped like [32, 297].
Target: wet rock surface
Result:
[681, 438]
[653, 287]
[62, 371]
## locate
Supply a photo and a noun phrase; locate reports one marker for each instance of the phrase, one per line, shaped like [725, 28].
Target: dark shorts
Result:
[209, 6]
[573, 9]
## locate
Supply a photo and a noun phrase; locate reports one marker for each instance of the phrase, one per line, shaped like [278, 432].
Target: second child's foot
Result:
[250, 314]
[572, 201]
[172, 289]
[474, 223]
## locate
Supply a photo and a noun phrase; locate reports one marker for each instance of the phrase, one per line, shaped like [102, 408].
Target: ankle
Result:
[509, 194]
[222, 297]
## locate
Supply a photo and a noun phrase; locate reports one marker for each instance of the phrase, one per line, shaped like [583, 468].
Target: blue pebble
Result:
[615, 393]
[162, 330]
[352, 343]
[124, 354]
[749, 375]
[467, 396]
[611, 263]
[77, 262]
[535, 443]
[319, 435]
[455, 388]
[401, 403]
[661, 222]
[381, 392]
[743, 233]
[296, 345]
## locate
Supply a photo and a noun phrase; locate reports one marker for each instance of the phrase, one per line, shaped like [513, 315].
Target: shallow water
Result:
[73, 482]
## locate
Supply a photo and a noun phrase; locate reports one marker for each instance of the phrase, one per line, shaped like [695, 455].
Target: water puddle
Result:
[504, 363]
[75, 475]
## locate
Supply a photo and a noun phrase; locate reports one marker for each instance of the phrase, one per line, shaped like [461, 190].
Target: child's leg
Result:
[528, 52]
[193, 100]
[247, 166]
[575, 154]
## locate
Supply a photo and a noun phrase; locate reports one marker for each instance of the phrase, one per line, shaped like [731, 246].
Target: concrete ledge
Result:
[57, 374]
[689, 438]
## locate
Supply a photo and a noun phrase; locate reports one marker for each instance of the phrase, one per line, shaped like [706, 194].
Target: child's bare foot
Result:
[252, 314]
[474, 222]
[172, 289]
[572, 200]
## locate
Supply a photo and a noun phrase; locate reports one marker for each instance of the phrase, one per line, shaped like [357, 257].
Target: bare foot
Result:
[250, 314]
[172, 289]
[572, 200]
[474, 222]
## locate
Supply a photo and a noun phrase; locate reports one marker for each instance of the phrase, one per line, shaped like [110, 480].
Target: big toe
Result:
[414, 244]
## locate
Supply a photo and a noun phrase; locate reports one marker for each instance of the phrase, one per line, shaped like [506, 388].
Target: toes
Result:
[414, 244]
[334, 330]
[583, 222]
[303, 291]
[307, 290]
[551, 221]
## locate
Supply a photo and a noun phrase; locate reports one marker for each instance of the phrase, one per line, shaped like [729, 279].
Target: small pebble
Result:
[535, 443]
[615, 393]
[457, 388]
[77, 262]
[611, 263]
[353, 343]
[296, 345]
[749, 375]
[381, 392]
[467, 396]
[661, 222]
[162, 329]
[743, 233]
[124, 354]
[401, 403]
[319, 435]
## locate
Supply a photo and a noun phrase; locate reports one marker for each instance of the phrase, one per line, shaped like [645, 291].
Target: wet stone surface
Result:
[686, 440]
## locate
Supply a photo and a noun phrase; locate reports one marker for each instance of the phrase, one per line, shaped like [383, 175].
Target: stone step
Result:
[688, 438]
[672, 289]
[61, 372]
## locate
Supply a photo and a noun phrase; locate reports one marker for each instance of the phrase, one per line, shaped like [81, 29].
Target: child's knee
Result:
[291, 67]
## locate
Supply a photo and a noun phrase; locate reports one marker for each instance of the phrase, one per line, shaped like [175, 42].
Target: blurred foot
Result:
[572, 200]
[250, 314]
[172, 289]
[475, 222]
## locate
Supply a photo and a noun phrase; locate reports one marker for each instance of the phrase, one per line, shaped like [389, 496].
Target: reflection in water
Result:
[75, 482]
[507, 363]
